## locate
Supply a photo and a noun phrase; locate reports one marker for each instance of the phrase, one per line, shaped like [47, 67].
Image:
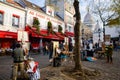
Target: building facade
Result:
[19, 15]
[65, 9]
[43, 16]
[12, 19]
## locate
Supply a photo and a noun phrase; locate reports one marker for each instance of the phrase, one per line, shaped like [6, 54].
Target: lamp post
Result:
[99, 31]
[83, 37]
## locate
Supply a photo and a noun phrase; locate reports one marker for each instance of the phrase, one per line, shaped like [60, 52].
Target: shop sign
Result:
[7, 36]
[38, 15]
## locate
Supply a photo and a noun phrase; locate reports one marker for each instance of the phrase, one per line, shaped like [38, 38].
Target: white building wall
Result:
[96, 37]
[69, 21]
[65, 9]
[44, 18]
[8, 13]
[113, 31]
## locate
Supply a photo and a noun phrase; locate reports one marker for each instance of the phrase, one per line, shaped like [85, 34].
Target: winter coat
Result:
[18, 55]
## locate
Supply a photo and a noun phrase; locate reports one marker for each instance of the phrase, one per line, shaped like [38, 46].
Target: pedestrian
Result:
[109, 52]
[46, 49]
[61, 45]
[18, 59]
[13, 45]
[50, 50]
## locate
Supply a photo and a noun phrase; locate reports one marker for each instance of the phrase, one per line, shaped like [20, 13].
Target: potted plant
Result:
[49, 25]
[60, 29]
[36, 24]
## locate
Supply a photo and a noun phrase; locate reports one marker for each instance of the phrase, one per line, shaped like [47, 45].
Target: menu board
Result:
[22, 36]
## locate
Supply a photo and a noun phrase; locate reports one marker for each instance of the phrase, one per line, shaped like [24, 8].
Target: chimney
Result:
[10, 1]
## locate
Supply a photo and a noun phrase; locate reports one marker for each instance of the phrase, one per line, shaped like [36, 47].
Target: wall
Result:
[8, 13]
[113, 31]
[43, 18]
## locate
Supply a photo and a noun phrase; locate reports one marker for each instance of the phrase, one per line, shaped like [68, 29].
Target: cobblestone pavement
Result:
[109, 71]
[6, 62]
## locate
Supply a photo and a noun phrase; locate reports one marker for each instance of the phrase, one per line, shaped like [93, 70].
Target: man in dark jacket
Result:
[18, 58]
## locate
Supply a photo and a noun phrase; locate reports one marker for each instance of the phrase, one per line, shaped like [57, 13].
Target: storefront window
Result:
[15, 21]
[1, 18]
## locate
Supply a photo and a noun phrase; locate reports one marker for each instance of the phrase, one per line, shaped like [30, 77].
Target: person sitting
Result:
[56, 57]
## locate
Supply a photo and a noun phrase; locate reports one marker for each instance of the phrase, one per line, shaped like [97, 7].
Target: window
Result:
[1, 17]
[15, 20]
[70, 28]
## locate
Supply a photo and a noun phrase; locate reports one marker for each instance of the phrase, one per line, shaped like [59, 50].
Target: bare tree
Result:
[77, 39]
[102, 10]
[77, 36]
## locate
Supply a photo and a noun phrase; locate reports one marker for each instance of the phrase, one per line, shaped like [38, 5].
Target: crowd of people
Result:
[58, 53]
[21, 57]
[101, 48]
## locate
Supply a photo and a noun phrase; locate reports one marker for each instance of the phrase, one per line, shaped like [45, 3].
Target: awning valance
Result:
[71, 34]
[51, 36]
[32, 32]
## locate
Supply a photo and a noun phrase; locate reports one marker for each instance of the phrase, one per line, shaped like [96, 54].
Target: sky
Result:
[83, 6]
[38, 2]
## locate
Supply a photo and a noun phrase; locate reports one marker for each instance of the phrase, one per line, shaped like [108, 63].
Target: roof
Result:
[12, 2]
[88, 19]
[33, 6]
[38, 8]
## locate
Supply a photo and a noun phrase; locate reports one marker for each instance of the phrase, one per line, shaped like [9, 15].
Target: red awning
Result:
[60, 35]
[69, 34]
[32, 32]
[44, 34]
[50, 36]
[6, 34]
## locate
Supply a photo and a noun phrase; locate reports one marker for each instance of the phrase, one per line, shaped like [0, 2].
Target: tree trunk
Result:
[77, 36]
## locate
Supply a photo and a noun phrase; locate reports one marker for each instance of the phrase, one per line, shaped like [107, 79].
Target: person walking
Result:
[46, 49]
[50, 50]
[18, 59]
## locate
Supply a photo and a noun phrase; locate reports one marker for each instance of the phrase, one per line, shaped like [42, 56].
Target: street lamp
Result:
[99, 31]
[83, 37]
